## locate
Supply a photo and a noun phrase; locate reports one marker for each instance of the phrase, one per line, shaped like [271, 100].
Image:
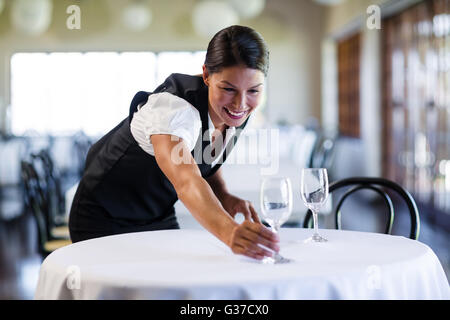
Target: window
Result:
[61, 93]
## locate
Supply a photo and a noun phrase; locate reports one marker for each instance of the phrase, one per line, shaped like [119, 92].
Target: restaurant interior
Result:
[359, 87]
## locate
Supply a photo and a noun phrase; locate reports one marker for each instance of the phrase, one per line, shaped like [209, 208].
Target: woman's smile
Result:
[235, 115]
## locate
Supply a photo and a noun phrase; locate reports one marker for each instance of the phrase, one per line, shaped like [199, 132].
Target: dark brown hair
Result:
[237, 45]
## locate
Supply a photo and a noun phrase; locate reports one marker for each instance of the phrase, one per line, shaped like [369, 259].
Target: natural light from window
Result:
[62, 93]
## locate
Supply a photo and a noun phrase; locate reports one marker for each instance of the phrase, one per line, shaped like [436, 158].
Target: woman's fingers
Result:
[250, 212]
[267, 243]
[261, 230]
[255, 248]
[249, 237]
[247, 252]
[245, 209]
[254, 214]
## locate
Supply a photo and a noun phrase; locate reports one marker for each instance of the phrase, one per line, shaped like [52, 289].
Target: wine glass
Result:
[276, 207]
[314, 190]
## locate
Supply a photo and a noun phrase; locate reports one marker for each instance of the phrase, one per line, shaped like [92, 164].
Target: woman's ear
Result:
[205, 75]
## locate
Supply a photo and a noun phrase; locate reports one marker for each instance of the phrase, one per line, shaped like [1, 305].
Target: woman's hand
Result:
[234, 205]
[247, 238]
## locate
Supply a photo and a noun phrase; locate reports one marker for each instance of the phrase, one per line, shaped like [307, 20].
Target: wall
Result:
[291, 28]
[294, 88]
[340, 21]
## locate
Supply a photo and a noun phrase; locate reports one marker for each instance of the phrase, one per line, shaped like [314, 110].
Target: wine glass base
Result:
[278, 259]
[315, 238]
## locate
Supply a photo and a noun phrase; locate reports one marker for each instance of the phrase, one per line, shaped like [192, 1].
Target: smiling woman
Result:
[133, 177]
[234, 93]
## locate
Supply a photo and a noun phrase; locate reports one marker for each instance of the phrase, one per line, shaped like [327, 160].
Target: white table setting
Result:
[191, 264]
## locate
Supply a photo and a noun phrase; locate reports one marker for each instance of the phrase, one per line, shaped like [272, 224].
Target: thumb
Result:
[246, 211]
[254, 214]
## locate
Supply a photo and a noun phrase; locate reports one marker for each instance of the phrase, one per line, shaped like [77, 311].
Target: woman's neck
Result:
[218, 124]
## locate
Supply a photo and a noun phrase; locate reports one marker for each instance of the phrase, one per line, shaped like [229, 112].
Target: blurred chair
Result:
[12, 149]
[35, 141]
[349, 158]
[64, 156]
[35, 199]
[303, 146]
[52, 177]
[81, 143]
[377, 185]
[53, 206]
[323, 152]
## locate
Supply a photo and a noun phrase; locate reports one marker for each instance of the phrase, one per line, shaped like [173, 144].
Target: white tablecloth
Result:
[193, 264]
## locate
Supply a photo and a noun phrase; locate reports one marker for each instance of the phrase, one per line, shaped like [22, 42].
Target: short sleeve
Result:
[165, 113]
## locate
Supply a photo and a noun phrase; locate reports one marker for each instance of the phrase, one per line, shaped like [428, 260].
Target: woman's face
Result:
[233, 94]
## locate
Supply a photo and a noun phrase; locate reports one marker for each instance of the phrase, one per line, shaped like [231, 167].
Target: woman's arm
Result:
[200, 200]
[217, 183]
[231, 203]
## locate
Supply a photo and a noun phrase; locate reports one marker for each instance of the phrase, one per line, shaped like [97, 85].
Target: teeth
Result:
[236, 114]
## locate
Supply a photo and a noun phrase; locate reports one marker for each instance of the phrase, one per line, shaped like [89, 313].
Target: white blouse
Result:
[165, 113]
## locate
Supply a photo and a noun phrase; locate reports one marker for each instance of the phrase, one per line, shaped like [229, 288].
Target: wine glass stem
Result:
[275, 227]
[316, 225]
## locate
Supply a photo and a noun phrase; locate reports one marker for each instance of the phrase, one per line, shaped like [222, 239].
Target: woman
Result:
[135, 173]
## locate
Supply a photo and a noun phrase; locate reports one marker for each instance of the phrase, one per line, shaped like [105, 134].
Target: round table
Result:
[193, 264]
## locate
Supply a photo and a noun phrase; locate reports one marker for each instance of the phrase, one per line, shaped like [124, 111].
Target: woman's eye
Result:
[228, 89]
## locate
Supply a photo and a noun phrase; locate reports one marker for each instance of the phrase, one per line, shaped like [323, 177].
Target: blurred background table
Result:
[193, 264]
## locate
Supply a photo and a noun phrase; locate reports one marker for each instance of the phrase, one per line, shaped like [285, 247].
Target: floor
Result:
[19, 260]
[20, 263]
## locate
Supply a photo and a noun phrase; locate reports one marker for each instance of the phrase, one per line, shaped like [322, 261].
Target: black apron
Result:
[122, 188]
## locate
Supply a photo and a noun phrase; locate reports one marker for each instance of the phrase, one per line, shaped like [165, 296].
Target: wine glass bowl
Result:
[276, 207]
[314, 192]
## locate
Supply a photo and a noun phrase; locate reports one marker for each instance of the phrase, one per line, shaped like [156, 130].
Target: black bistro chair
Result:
[50, 176]
[322, 155]
[35, 201]
[81, 143]
[379, 185]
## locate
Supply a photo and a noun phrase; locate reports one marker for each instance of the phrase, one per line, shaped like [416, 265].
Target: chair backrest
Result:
[323, 152]
[375, 184]
[35, 200]
[53, 189]
[81, 144]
